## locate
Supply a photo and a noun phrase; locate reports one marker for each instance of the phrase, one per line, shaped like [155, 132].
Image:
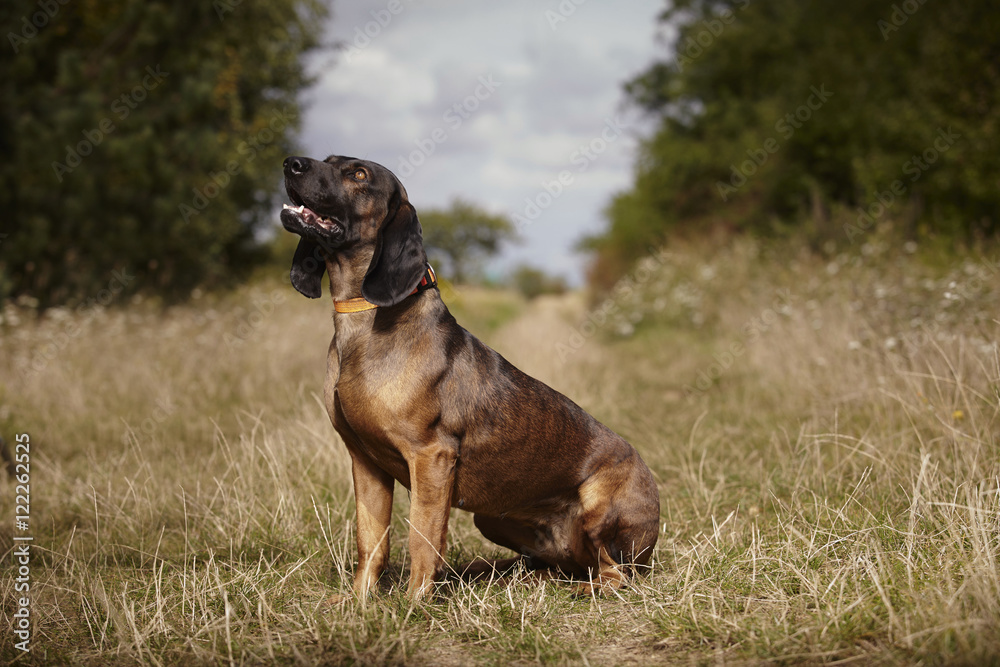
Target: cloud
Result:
[412, 74]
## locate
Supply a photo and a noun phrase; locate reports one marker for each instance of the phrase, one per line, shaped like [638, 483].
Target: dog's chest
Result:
[382, 386]
[382, 410]
[360, 425]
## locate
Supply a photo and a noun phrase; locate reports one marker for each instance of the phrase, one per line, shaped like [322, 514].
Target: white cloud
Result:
[378, 75]
[556, 91]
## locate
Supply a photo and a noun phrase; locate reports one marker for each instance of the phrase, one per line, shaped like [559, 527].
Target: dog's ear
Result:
[399, 260]
[308, 267]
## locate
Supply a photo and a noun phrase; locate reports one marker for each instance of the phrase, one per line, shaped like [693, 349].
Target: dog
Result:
[419, 400]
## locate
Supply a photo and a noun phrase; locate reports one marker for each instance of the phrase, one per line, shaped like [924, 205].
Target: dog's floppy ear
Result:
[308, 268]
[399, 260]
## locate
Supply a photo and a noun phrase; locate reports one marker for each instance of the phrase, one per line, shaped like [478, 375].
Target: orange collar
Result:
[355, 305]
[360, 304]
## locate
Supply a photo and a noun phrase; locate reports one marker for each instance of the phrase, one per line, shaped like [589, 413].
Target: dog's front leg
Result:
[373, 495]
[432, 477]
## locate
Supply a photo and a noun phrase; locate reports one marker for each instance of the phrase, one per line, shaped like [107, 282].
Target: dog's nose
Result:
[296, 166]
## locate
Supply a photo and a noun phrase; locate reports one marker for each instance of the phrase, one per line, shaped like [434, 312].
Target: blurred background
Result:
[557, 142]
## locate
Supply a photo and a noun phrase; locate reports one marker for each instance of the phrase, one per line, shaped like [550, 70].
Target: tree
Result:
[533, 282]
[775, 114]
[143, 137]
[462, 235]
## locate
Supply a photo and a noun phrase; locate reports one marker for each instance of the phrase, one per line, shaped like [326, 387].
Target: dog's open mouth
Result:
[310, 217]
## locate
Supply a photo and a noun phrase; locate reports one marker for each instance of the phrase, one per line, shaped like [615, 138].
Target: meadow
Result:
[824, 427]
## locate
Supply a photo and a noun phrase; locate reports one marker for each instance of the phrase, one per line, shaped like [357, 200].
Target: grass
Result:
[824, 431]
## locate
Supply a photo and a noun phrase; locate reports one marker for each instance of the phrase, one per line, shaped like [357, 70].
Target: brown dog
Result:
[418, 399]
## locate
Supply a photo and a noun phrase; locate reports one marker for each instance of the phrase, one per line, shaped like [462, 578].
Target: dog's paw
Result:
[337, 600]
[600, 586]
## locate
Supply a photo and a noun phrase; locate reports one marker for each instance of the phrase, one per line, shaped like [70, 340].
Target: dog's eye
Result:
[360, 175]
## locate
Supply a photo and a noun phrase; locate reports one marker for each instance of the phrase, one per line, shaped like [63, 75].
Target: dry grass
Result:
[830, 489]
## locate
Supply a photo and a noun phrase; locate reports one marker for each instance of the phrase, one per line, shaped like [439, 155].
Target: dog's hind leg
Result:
[618, 527]
[609, 576]
[511, 534]
[482, 568]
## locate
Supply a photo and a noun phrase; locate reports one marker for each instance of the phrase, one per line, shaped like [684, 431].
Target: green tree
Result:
[143, 136]
[462, 235]
[533, 282]
[783, 113]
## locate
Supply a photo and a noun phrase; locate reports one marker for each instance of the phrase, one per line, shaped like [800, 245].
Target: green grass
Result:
[832, 494]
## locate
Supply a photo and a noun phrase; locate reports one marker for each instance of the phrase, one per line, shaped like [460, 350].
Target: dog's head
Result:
[347, 205]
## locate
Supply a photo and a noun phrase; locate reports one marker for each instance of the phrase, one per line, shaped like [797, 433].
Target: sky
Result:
[515, 106]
